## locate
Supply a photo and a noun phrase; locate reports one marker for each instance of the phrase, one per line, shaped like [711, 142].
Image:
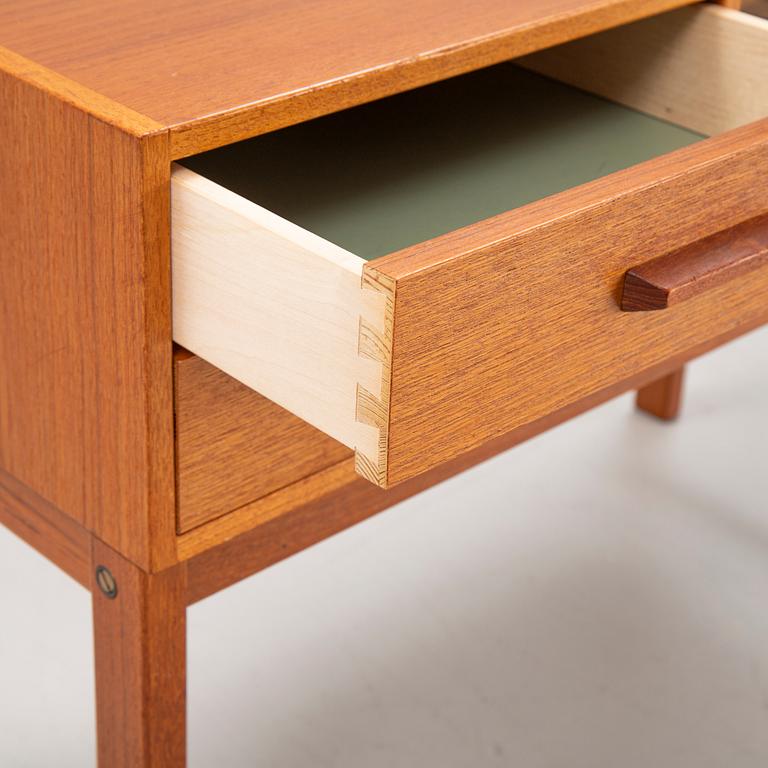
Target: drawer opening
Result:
[387, 175]
[272, 236]
[384, 176]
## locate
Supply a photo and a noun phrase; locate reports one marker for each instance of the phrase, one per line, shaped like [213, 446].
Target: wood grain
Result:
[283, 311]
[275, 527]
[76, 95]
[663, 398]
[85, 352]
[52, 533]
[696, 268]
[701, 67]
[234, 446]
[218, 72]
[140, 655]
[502, 322]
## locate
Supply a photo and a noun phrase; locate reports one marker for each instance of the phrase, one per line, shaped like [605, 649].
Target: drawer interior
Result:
[387, 175]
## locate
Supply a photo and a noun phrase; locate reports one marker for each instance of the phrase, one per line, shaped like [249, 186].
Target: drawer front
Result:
[424, 354]
[499, 324]
[234, 446]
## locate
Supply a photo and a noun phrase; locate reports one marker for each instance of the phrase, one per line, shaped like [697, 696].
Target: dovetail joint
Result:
[375, 343]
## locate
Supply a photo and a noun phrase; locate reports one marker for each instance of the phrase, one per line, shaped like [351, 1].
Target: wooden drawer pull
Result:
[691, 270]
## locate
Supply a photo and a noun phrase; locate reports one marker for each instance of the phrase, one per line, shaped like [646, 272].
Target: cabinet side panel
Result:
[85, 348]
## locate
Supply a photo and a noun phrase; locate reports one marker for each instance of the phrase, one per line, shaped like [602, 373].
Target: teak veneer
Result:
[225, 460]
[153, 476]
[214, 73]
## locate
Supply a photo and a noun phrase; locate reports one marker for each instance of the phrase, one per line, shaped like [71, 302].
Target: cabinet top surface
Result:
[261, 64]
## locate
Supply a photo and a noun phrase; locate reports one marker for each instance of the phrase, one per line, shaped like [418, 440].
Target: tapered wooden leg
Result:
[140, 651]
[663, 397]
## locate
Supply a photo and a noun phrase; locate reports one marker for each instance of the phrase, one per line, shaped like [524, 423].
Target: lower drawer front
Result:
[234, 446]
[415, 357]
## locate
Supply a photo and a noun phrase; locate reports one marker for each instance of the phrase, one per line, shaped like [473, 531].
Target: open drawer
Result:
[419, 275]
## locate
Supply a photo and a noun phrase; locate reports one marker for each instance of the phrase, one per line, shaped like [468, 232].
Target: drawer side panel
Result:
[702, 67]
[284, 312]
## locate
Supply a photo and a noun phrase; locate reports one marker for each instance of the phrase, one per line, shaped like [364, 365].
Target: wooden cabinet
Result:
[270, 268]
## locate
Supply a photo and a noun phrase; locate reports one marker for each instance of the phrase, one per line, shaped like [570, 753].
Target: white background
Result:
[595, 598]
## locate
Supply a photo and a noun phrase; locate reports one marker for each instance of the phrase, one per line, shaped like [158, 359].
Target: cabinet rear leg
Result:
[663, 398]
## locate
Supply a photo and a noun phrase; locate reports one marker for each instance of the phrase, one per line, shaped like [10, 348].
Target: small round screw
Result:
[106, 582]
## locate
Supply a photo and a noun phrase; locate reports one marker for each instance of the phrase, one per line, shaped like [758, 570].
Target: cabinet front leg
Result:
[139, 624]
[663, 397]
